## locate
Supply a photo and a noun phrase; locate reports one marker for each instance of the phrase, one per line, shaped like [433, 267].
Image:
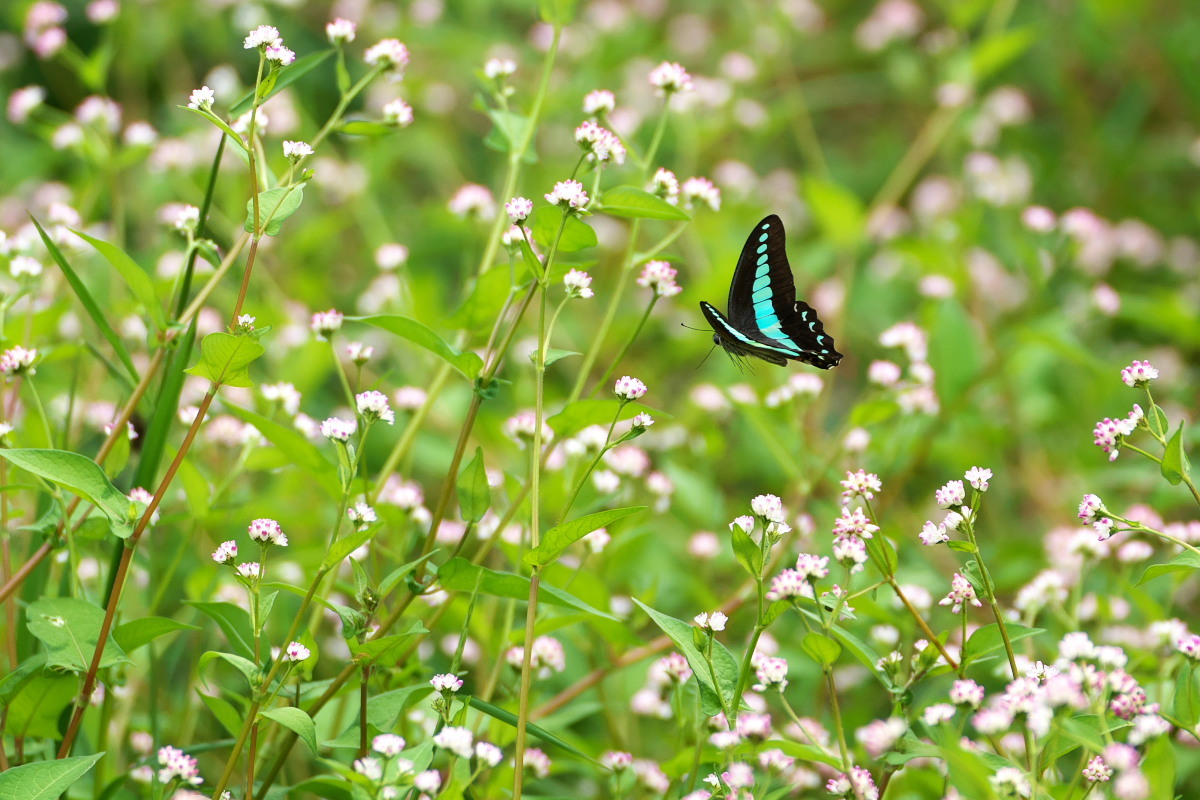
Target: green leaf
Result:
[45, 780]
[747, 551]
[36, 710]
[243, 665]
[862, 652]
[400, 573]
[1159, 765]
[368, 128]
[988, 639]
[469, 364]
[460, 575]
[873, 412]
[554, 354]
[229, 717]
[233, 135]
[225, 357]
[1186, 705]
[298, 450]
[716, 691]
[89, 304]
[509, 718]
[274, 206]
[140, 632]
[804, 752]
[384, 710]
[389, 648]
[576, 235]
[70, 630]
[81, 476]
[347, 545]
[296, 721]
[630, 201]
[838, 211]
[294, 72]
[509, 131]
[134, 276]
[562, 536]
[16, 679]
[557, 12]
[582, 413]
[474, 493]
[154, 441]
[234, 622]
[820, 648]
[962, 547]
[479, 311]
[1187, 561]
[997, 51]
[1175, 465]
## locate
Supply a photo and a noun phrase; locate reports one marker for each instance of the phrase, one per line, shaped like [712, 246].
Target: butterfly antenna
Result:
[690, 328]
[706, 355]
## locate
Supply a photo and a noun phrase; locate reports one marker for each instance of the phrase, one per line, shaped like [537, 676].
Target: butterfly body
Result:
[764, 319]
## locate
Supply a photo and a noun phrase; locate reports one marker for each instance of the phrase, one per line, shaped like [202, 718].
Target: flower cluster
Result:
[660, 277]
[373, 405]
[18, 361]
[578, 284]
[176, 764]
[700, 191]
[326, 323]
[860, 484]
[600, 144]
[268, 531]
[518, 209]
[599, 103]
[628, 389]
[664, 184]
[569, 195]
[669, 78]
[1109, 434]
[1139, 373]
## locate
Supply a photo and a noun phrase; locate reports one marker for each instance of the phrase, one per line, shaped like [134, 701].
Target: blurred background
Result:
[1016, 179]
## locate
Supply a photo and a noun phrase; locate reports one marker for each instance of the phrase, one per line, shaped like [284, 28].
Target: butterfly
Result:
[765, 318]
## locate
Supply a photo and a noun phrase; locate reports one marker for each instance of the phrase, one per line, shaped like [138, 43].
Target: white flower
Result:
[628, 389]
[518, 209]
[670, 78]
[569, 194]
[499, 67]
[296, 652]
[297, 150]
[488, 753]
[388, 744]
[457, 740]
[665, 185]
[391, 54]
[701, 190]
[280, 55]
[598, 102]
[202, 99]
[399, 113]
[225, 552]
[446, 682]
[326, 323]
[978, 477]
[373, 406]
[262, 36]
[249, 570]
[268, 531]
[339, 430]
[578, 284]
[340, 31]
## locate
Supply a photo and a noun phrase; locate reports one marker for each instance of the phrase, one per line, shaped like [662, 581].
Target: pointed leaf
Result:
[134, 276]
[229, 717]
[225, 357]
[243, 665]
[81, 476]
[296, 721]
[45, 780]
[234, 622]
[820, 648]
[294, 72]
[632, 202]
[509, 718]
[1175, 465]
[576, 234]
[1186, 561]
[140, 632]
[716, 691]
[274, 206]
[474, 493]
[460, 575]
[88, 302]
[467, 363]
[562, 536]
[295, 447]
[70, 630]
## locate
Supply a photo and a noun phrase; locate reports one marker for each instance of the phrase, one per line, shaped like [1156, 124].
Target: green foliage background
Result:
[1022, 374]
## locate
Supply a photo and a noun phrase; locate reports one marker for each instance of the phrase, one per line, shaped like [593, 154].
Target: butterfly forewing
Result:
[764, 318]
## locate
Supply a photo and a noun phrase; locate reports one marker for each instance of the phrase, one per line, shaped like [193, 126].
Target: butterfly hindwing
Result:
[765, 319]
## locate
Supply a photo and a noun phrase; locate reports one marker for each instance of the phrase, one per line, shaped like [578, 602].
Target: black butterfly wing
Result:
[763, 305]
